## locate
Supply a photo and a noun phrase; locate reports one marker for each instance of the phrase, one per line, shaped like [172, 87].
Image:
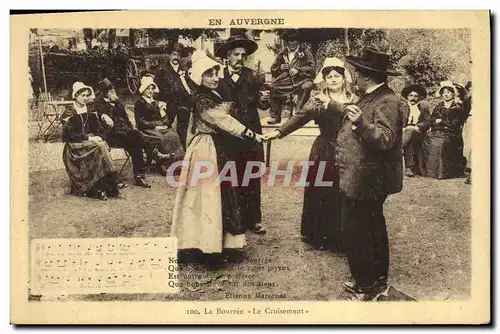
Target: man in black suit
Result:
[369, 158]
[176, 89]
[242, 86]
[122, 134]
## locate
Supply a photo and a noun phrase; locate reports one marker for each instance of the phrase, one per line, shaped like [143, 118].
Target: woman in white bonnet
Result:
[86, 155]
[321, 211]
[206, 216]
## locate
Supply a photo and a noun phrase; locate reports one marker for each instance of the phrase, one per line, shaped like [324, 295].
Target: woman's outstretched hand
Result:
[271, 135]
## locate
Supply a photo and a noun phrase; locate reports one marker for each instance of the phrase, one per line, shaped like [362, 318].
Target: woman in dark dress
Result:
[442, 148]
[152, 121]
[86, 155]
[321, 212]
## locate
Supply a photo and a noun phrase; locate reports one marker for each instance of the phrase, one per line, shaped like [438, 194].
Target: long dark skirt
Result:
[167, 142]
[233, 209]
[443, 155]
[90, 167]
[321, 214]
[246, 198]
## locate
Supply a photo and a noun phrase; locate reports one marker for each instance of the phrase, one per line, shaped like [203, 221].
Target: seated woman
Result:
[152, 121]
[321, 211]
[86, 155]
[443, 144]
[207, 216]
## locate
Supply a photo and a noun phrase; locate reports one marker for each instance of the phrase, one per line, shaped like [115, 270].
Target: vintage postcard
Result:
[250, 167]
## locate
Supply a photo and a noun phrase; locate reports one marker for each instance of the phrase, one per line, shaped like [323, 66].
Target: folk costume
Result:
[321, 213]
[148, 115]
[206, 215]
[369, 158]
[88, 163]
[176, 89]
[122, 134]
[286, 84]
[443, 144]
[241, 88]
[417, 115]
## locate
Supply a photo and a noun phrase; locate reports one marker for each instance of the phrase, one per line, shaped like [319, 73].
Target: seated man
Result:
[417, 121]
[293, 73]
[122, 134]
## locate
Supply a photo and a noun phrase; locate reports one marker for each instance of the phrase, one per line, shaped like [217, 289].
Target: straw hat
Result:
[201, 62]
[78, 86]
[147, 81]
[329, 62]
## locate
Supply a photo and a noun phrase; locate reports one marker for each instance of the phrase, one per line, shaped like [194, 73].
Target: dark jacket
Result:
[328, 121]
[452, 119]
[117, 113]
[369, 157]
[172, 90]
[245, 95]
[424, 120]
[148, 116]
[284, 84]
[303, 62]
[78, 128]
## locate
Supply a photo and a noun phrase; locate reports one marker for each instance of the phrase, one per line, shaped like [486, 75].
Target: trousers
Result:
[133, 143]
[304, 91]
[367, 243]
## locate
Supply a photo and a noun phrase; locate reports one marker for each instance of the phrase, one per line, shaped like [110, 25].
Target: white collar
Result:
[293, 51]
[230, 69]
[374, 88]
[147, 99]
[413, 105]
[80, 110]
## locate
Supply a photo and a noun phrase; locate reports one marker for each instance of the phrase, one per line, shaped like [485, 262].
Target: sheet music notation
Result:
[111, 265]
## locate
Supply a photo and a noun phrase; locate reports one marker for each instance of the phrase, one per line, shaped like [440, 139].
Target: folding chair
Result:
[52, 116]
[127, 160]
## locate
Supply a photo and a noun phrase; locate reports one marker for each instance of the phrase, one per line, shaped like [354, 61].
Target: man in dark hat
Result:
[293, 73]
[369, 158]
[122, 134]
[241, 85]
[176, 89]
[416, 118]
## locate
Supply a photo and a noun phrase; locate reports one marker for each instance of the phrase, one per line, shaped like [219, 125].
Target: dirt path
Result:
[429, 233]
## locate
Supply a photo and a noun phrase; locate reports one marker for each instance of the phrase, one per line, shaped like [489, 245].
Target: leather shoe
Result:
[121, 185]
[351, 286]
[259, 229]
[409, 172]
[142, 183]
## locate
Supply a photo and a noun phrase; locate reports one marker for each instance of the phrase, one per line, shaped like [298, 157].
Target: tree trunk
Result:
[88, 36]
[111, 38]
[131, 38]
[346, 42]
